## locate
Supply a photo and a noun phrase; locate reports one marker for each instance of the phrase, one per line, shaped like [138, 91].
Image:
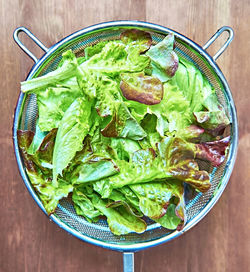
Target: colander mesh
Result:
[65, 211]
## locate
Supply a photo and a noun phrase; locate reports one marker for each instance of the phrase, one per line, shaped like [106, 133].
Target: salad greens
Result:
[120, 131]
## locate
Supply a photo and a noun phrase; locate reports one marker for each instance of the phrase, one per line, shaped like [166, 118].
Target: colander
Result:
[197, 207]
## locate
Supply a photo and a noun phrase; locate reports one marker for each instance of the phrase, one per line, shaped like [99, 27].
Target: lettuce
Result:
[164, 60]
[120, 130]
[144, 89]
[83, 205]
[47, 192]
[54, 101]
[120, 221]
[72, 130]
[67, 70]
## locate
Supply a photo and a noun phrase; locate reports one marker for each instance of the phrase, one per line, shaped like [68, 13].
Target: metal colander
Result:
[200, 204]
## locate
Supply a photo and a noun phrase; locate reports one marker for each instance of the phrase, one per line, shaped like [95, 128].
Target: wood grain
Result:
[29, 242]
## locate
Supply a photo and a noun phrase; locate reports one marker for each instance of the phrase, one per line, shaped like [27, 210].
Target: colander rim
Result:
[228, 167]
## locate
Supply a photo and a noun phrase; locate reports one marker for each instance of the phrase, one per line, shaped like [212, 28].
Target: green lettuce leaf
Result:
[120, 221]
[54, 101]
[170, 220]
[37, 140]
[201, 96]
[84, 207]
[67, 70]
[72, 130]
[92, 50]
[155, 199]
[95, 168]
[164, 60]
[116, 58]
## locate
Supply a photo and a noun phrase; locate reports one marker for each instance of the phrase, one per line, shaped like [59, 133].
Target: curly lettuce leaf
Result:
[54, 101]
[84, 207]
[72, 130]
[107, 96]
[175, 161]
[144, 89]
[164, 60]
[67, 70]
[92, 50]
[114, 58]
[178, 158]
[120, 221]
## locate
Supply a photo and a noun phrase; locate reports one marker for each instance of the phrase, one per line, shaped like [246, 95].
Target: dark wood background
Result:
[28, 240]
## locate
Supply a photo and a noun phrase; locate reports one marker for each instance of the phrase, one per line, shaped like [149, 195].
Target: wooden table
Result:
[28, 240]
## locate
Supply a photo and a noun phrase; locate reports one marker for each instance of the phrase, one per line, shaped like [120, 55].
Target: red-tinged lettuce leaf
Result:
[42, 184]
[45, 151]
[213, 121]
[123, 125]
[214, 152]
[192, 133]
[135, 37]
[120, 221]
[188, 171]
[25, 138]
[42, 158]
[178, 157]
[47, 192]
[144, 89]
[84, 207]
[164, 60]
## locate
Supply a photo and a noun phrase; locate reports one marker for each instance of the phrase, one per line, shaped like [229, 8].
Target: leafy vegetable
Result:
[84, 206]
[144, 89]
[54, 101]
[139, 38]
[123, 124]
[121, 129]
[164, 60]
[119, 219]
[72, 130]
[67, 70]
[49, 194]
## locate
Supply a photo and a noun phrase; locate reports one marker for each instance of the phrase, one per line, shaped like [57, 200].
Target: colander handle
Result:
[128, 262]
[215, 36]
[32, 37]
